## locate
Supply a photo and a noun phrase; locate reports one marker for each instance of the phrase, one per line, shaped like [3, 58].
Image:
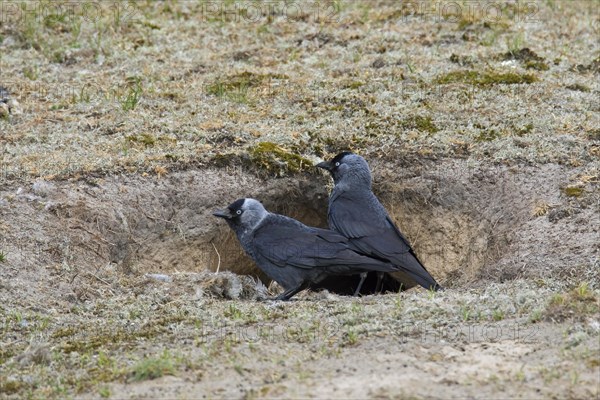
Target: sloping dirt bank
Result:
[466, 223]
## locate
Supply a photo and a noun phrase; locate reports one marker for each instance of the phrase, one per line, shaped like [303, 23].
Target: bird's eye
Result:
[238, 212]
[337, 164]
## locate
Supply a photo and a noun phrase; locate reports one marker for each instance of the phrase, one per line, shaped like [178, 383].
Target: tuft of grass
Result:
[485, 79]
[487, 135]
[131, 100]
[535, 316]
[465, 313]
[525, 130]
[153, 367]
[104, 392]
[398, 304]
[233, 312]
[498, 315]
[583, 290]
[31, 73]
[2, 256]
[515, 42]
[351, 337]
[541, 208]
[277, 160]
[490, 38]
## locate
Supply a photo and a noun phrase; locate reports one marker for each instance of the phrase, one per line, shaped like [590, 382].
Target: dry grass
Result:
[163, 85]
[156, 328]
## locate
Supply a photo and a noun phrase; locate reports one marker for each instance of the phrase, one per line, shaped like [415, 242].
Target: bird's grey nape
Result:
[253, 213]
[353, 171]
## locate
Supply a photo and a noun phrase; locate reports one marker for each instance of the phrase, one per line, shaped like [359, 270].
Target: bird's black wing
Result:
[357, 222]
[285, 242]
[376, 235]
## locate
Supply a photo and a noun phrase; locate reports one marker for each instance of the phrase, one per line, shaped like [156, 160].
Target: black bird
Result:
[356, 213]
[294, 255]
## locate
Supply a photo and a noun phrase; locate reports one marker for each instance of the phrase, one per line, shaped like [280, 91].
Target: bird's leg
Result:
[290, 292]
[379, 286]
[363, 276]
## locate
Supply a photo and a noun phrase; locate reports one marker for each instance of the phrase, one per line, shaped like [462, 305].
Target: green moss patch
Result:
[486, 134]
[528, 128]
[578, 87]
[222, 160]
[354, 85]
[420, 123]
[145, 138]
[236, 86]
[9, 387]
[573, 191]
[270, 157]
[485, 79]
[537, 65]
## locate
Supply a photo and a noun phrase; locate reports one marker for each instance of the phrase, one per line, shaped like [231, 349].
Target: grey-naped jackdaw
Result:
[294, 255]
[356, 213]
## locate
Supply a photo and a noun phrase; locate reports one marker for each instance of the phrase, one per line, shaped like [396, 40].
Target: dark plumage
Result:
[356, 213]
[4, 94]
[294, 255]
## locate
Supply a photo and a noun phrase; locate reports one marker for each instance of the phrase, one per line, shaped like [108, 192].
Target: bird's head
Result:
[349, 168]
[243, 213]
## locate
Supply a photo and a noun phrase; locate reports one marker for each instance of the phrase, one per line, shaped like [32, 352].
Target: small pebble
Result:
[42, 188]
[14, 107]
[4, 111]
[159, 277]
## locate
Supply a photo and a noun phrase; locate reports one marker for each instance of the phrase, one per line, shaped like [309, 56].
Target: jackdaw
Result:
[294, 255]
[356, 213]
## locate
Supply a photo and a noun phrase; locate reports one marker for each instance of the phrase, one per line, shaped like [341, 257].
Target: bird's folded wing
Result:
[310, 248]
[377, 236]
[375, 232]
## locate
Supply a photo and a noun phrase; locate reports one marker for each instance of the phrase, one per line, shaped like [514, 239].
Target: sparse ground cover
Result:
[520, 338]
[134, 120]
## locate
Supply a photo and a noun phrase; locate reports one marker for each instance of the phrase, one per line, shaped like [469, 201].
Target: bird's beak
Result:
[325, 165]
[223, 214]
